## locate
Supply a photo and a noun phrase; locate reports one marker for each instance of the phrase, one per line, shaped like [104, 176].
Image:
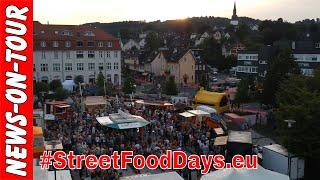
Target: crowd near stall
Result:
[98, 125]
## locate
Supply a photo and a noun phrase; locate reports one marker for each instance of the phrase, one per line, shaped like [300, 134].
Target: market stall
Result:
[60, 109]
[95, 104]
[38, 142]
[122, 120]
[244, 174]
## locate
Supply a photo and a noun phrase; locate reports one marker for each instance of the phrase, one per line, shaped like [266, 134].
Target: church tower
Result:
[234, 18]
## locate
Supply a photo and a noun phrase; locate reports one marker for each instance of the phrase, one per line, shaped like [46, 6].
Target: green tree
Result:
[40, 87]
[171, 87]
[204, 81]
[61, 94]
[212, 52]
[55, 84]
[78, 79]
[101, 80]
[129, 85]
[278, 70]
[152, 42]
[300, 101]
[242, 95]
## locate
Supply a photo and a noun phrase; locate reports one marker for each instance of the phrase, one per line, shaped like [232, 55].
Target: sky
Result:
[84, 11]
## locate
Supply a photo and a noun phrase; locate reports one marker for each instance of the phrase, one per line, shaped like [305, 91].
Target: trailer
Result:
[276, 158]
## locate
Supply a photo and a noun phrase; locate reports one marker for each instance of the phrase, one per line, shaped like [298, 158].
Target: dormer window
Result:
[56, 32]
[55, 44]
[43, 44]
[66, 33]
[318, 45]
[100, 44]
[109, 44]
[42, 31]
[89, 33]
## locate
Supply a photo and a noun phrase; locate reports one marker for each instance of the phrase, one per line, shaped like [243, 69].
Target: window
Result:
[55, 44]
[44, 67]
[90, 44]
[79, 43]
[91, 66]
[100, 44]
[318, 45]
[109, 44]
[66, 33]
[43, 44]
[68, 55]
[100, 54]
[108, 54]
[100, 66]
[43, 54]
[79, 54]
[80, 66]
[115, 54]
[108, 65]
[90, 54]
[116, 65]
[68, 44]
[34, 68]
[68, 66]
[89, 33]
[55, 55]
[56, 67]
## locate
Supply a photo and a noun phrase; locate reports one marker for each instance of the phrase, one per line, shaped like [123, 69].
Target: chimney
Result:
[293, 46]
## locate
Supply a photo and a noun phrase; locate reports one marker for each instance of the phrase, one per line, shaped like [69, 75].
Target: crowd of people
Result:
[166, 131]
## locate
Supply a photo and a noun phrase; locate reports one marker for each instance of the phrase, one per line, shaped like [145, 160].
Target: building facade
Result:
[247, 64]
[63, 52]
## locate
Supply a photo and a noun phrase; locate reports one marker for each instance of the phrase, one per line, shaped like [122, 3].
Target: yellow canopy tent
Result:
[212, 99]
[38, 141]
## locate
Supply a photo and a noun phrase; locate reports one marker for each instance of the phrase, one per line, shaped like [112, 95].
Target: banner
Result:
[16, 72]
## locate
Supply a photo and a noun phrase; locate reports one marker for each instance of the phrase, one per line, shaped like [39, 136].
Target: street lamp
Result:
[290, 123]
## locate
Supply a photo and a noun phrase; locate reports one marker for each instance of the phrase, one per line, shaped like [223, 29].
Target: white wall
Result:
[86, 73]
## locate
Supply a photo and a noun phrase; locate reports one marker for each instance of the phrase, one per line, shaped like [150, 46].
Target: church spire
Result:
[234, 16]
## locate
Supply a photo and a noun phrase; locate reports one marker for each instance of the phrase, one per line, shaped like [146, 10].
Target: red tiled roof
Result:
[50, 33]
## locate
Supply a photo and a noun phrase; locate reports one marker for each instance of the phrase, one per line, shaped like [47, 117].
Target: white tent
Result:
[68, 85]
[167, 176]
[245, 174]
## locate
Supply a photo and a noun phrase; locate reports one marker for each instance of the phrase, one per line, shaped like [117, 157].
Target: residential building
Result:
[247, 64]
[65, 51]
[128, 45]
[201, 68]
[306, 51]
[180, 64]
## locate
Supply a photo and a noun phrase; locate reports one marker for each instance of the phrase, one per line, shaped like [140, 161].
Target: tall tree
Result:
[300, 101]
[78, 79]
[40, 87]
[152, 42]
[243, 90]
[55, 84]
[279, 69]
[171, 87]
[129, 85]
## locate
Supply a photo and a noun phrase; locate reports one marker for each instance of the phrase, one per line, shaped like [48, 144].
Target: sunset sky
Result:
[84, 11]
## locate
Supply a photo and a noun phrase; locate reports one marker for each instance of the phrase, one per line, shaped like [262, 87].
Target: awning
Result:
[53, 145]
[49, 117]
[167, 176]
[122, 120]
[221, 141]
[244, 174]
[199, 113]
[95, 101]
[62, 105]
[186, 115]
[218, 131]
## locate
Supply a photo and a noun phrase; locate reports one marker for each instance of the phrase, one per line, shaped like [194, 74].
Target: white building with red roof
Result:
[66, 51]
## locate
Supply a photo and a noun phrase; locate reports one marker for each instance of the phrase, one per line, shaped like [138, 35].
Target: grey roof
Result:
[240, 137]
